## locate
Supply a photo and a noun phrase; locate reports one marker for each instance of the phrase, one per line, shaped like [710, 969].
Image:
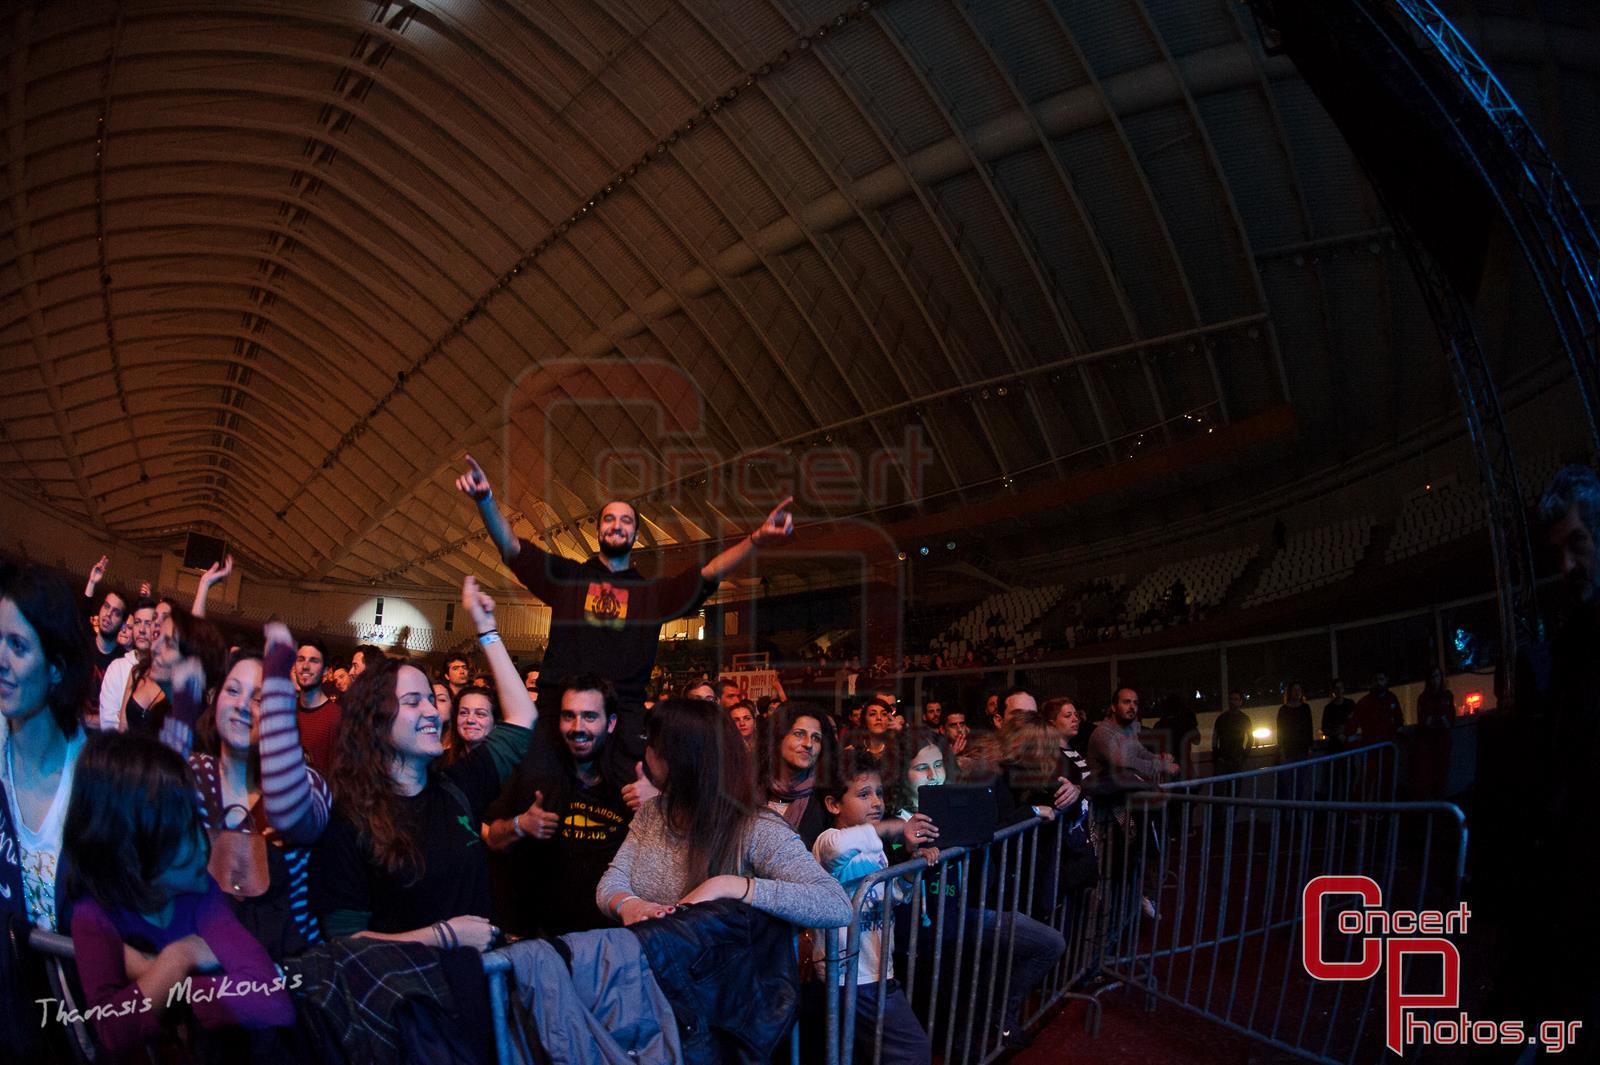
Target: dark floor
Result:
[1130, 1036]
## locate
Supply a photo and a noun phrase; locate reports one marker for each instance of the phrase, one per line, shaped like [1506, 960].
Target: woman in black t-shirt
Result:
[402, 857]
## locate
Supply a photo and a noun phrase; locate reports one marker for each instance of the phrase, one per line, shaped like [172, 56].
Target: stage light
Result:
[922, 551]
[901, 556]
[1472, 703]
[951, 546]
[1262, 733]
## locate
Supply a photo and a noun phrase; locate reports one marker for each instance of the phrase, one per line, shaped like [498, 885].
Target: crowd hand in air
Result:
[97, 573]
[778, 526]
[536, 821]
[477, 604]
[640, 791]
[217, 571]
[474, 484]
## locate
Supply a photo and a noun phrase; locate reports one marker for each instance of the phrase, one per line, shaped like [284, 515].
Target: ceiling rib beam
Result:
[17, 205]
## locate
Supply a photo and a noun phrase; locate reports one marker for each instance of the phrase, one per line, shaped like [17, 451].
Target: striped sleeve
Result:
[296, 805]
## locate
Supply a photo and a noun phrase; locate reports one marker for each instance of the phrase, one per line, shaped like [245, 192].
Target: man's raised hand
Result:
[778, 526]
[474, 484]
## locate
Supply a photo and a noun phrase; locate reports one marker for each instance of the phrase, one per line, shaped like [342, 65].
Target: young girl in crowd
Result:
[402, 857]
[155, 940]
[261, 805]
[851, 851]
[476, 712]
[706, 837]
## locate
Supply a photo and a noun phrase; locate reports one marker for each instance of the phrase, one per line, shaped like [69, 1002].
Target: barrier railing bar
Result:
[977, 957]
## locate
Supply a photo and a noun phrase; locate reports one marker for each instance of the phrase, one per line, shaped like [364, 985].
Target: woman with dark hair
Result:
[261, 805]
[796, 750]
[706, 837]
[177, 635]
[150, 921]
[474, 714]
[44, 679]
[402, 857]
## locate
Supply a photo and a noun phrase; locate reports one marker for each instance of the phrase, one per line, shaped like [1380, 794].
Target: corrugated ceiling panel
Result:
[1110, 34]
[1064, 246]
[1332, 181]
[941, 43]
[1196, 210]
[998, 260]
[1128, 226]
[1032, 45]
[1252, 158]
[1190, 27]
[880, 78]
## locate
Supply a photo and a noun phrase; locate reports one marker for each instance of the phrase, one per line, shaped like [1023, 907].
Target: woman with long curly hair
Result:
[707, 837]
[402, 857]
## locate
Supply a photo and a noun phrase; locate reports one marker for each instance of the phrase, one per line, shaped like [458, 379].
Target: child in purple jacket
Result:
[157, 944]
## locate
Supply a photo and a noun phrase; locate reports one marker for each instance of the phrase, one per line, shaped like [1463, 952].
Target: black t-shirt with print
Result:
[548, 885]
[604, 622]
[455, 876]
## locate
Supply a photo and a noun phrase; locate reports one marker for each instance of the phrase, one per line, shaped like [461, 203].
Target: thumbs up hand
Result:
[538, 822]
[641, 790]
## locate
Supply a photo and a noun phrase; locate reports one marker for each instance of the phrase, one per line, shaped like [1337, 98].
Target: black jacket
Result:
[730, 972]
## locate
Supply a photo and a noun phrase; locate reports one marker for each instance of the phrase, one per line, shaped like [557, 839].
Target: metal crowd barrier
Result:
[970, 923]
[1221, 860]
[1224, 875]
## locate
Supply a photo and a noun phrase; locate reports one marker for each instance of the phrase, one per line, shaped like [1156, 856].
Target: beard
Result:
[615, 550]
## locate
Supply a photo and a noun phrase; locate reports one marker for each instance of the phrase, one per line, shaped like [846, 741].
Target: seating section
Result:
[1001, 623]
[1206, 579]
[1313, 558]
[1447, 512]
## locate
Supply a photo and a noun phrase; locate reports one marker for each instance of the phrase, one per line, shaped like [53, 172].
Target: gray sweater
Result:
[788, 881]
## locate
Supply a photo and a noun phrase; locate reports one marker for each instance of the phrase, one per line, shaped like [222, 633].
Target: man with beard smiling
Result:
[319, 713]
[560, 820]
[606, 616]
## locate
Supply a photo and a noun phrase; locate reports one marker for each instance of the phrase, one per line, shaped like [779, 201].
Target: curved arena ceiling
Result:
[269, 268]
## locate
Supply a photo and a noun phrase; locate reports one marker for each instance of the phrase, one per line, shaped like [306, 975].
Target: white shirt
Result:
[850, 855]
[39, 850]
[114, 691]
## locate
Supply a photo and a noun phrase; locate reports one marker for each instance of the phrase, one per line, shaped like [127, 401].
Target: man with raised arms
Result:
[606, 616]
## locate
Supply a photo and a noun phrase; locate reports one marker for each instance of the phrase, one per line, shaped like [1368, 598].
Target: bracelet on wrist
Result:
[617, 909]
[516, 826]
[487, 638]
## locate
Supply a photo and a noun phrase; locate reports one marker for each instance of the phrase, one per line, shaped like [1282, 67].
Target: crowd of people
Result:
[203, 816]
